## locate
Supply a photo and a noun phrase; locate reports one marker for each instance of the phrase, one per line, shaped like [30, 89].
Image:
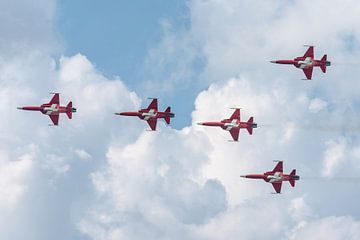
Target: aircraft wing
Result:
[55, 99]
[236, 114]
[308, 73]
[277, 186]
[152, 123]
[153, 104]
[278, 167]
[235, 133]
[54, 118]
[309, 52]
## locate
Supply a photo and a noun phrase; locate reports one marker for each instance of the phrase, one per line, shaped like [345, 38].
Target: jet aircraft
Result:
[53, 109]
[276, 177]
[233, 124]
[307, 62]
[151, 114]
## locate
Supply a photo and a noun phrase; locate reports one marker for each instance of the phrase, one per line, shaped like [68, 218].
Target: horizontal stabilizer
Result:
[249, 127]
[167, 115]
[292, 175]
[69, 110]
[323, 63]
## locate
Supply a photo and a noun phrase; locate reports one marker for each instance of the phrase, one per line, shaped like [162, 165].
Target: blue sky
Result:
[117, 37]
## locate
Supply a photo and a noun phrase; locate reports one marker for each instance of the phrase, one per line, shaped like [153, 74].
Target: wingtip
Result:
[277, 160]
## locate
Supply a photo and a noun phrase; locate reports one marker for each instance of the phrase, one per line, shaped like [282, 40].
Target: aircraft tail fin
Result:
[250, 125]
[69, 110]
[167, 116]
[324, 62]
[292, 175]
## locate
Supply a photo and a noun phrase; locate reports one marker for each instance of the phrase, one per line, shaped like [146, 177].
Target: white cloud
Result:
[82, 154]
[14, 174]
[137, 188]
[237, 39]
[317, 104]
[185, 184]
[334, 155]
[334, 228]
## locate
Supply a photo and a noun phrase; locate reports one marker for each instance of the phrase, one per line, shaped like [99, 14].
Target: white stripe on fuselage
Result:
[53, 108]
[231, 125]
[308, 62]
[275, 178]
[150, 114]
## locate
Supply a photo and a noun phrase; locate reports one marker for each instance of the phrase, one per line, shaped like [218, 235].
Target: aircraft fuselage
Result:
[273, 177]
[49, 109]
[146, 114]
[228, 124]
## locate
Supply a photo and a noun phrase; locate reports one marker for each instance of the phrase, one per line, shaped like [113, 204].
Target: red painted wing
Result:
[236, 114]
[235, 133]
[153, 104]
[308, 73]
[55, 99]
[309, 52]
[277, 186]
[278, 167]
[54, 118]
[152, 123]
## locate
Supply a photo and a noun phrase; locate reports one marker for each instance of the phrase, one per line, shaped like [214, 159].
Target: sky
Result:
[104, 177]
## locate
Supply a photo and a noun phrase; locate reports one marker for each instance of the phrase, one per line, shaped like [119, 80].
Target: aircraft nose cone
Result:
[21, 108]
[200, 123]
[273, 61]
[243, 176]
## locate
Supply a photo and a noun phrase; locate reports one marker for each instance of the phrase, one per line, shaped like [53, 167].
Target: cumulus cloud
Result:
[45, 181]
[184, 184]
[237, 40]
[14, 174]
[155, 181]
[335, 228]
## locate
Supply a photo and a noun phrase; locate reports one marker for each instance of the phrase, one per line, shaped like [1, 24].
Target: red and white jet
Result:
[151, 114]
[307, 62]
[276, 177]
[233, 124]
[53, 109]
